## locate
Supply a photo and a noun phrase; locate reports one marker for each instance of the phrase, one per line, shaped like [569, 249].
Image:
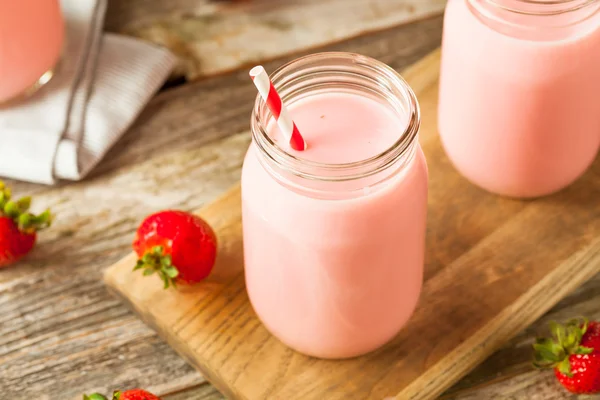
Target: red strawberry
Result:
[574, 353]
[18, 226]
[134, 394]
[179, 246]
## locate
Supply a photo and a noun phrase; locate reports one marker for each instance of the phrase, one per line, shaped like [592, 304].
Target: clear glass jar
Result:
[334, 251]
[31, 40]
[519, 107]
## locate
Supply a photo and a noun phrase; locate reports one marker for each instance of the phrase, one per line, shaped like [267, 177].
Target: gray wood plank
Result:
[215, 36]
[508, 374]
[202, 392]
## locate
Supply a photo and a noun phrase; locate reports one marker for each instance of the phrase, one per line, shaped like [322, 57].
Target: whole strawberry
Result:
[18, 226]
[179, 246]
[134, 394]
[574, 353]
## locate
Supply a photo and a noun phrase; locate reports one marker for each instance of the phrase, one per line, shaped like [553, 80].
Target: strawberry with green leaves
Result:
[18, 227]
[178, 246]
[133, 394]
[574, 354]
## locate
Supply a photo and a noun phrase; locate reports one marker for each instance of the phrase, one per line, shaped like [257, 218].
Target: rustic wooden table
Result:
[61, 333]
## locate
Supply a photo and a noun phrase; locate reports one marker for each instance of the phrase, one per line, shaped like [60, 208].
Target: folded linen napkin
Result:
[100, 86]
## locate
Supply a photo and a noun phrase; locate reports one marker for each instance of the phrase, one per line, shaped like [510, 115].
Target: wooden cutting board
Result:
[493, 266]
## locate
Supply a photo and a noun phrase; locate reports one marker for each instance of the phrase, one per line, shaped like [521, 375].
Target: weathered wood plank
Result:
[526, 386]
[57, 318]
[120, 14]
[203, 392]
[61, 333]
[212, 37]
[508, 374]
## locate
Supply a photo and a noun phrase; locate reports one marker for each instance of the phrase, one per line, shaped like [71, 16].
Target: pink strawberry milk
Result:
[519, 107]
[31, 38]
[334, 235]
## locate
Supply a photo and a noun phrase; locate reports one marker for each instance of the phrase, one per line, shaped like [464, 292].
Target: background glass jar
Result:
[31, 39]
[519, 108]
[334, 252]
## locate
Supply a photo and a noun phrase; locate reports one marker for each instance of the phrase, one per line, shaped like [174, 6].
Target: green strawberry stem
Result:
[554, 352]
[156, 261]
[93, 396]
[18, 211]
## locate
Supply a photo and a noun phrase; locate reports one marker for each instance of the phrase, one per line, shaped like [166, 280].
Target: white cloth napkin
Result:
[100, 86]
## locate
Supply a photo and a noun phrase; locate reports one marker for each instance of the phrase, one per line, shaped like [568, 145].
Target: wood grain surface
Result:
[62, 334]
[211, 37]
[485, 281]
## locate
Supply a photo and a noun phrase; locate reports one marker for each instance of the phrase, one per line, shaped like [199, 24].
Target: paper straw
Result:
[267, 91]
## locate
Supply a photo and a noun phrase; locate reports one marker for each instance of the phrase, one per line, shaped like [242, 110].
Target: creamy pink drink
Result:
[519, 110]
[31, 38]
[334, 236]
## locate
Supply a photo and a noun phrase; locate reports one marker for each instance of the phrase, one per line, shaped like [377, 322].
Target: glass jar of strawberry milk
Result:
[519, 108]
[31, 39]
[334, 235]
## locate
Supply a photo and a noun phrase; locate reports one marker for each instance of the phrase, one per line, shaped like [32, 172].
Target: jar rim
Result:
[569, 6]
[342, 171]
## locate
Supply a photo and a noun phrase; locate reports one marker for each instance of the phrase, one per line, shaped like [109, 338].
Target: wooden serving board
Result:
[493, 266]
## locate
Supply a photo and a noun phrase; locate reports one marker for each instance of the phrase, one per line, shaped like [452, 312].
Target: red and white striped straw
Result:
[280, 113]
